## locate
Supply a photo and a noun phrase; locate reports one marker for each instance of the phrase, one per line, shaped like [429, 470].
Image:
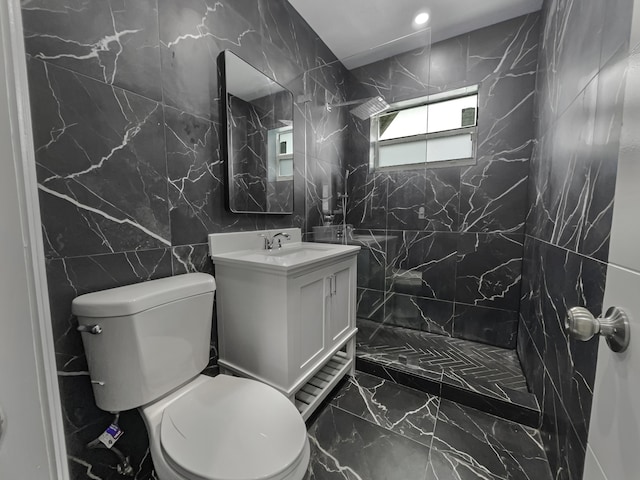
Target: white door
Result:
[614, 433]
[30, 446]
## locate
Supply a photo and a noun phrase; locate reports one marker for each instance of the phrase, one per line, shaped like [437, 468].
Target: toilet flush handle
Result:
[92, 329]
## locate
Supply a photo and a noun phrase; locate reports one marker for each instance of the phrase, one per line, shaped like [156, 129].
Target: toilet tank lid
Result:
[131, 299]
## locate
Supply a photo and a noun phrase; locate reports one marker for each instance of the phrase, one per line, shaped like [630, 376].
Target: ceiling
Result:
[359, 32]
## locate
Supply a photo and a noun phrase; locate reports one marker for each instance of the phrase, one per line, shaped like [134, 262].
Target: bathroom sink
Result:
[291, 256]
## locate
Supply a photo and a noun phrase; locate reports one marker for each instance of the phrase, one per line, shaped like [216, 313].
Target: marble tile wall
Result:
[130, 169]
[457, 271]
[579, 98]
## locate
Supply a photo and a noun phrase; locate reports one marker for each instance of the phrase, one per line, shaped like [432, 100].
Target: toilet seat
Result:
[229, 428]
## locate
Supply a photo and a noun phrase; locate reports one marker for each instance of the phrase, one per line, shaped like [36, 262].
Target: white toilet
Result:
[146, 346]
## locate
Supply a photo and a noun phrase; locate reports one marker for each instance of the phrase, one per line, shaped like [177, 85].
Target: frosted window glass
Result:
[432, 150]
[402, 154]
[449, 148]
[286, 167]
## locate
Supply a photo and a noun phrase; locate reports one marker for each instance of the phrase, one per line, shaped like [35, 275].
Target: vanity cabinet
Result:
[293, 329]
[322, 303]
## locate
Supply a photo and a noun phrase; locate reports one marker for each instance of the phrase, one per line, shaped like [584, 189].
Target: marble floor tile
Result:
[469, 444]
[344, 446]
[371, 429]
[400, 409]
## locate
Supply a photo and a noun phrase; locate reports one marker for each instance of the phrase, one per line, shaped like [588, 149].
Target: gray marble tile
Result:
[449, 60]
[577, 53]
[113, 41]
[192, 35]
[423, 264]
[101, 178]
[435, 191]
[507, 46]
[196, 183]
[419, 314]
[493, 193]
[486, 325]
[346, 446]
[489, 270]
[408, 412]
[469, 444]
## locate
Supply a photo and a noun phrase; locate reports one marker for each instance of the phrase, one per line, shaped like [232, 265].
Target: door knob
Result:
[614, 326]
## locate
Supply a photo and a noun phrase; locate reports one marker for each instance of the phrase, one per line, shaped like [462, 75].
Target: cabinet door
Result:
[313, 300]
[340, 306]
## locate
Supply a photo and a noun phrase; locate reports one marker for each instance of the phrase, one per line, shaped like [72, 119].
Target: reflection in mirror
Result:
[259, 128]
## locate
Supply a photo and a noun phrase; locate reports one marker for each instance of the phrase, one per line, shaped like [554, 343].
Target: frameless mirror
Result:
[258, 115]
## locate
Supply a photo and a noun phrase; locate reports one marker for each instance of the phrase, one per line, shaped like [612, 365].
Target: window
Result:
[437, 130]
[285, 155]
[280, 154]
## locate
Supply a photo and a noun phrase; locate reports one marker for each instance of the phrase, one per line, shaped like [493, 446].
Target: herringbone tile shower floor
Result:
[485, 370]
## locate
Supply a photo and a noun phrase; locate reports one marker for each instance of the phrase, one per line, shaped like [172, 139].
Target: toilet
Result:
[146, 346]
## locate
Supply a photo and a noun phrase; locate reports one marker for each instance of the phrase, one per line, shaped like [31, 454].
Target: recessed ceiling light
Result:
[421, 18]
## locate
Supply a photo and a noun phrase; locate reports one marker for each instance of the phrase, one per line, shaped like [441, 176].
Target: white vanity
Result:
[286, 316]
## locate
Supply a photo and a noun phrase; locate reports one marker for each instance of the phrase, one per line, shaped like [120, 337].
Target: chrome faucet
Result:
[269, 241]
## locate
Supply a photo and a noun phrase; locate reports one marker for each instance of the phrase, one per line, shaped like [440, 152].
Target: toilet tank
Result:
[154, 337]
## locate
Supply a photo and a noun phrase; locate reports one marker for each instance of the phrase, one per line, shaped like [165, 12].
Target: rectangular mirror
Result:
[258, 116]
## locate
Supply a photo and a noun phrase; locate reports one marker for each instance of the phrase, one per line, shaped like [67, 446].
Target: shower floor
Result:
[481, 376]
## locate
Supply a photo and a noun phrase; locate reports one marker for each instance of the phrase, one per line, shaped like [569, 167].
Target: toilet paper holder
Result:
[614, 326]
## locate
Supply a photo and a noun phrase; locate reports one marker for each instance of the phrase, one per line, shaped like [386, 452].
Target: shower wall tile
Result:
[579, 98]
[370, 304]
[449, 64]
[577, 55]
[615, 30]
[423, 264]
[555, 281]
[486, 325]
[513, 43]
[368, 199]
[573, 162]
[401, 77]
[112, 41]
[489, 268]
[418, 313]
[372, 257]
[493, 193]
[468, 247]
[131, 173]
[594, 241]
[436, 191]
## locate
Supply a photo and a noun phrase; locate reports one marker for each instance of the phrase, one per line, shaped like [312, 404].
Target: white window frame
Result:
[375, 144]
[282, 156]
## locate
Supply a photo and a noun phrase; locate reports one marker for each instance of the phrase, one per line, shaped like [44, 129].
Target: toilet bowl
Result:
[226, 428]
[148, 352]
